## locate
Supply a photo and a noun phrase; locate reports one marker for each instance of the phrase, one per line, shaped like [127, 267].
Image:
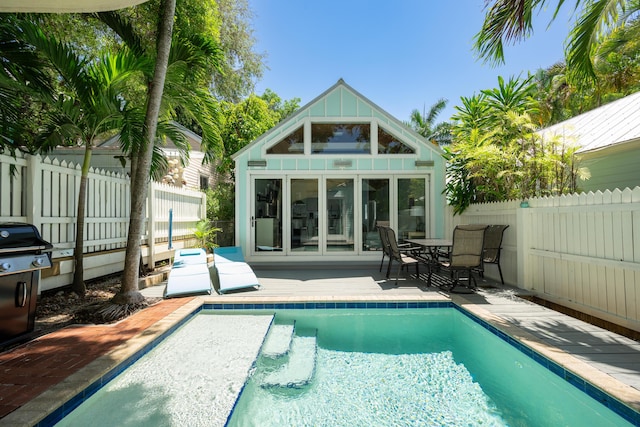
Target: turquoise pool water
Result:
[397, 366]
[412, 367]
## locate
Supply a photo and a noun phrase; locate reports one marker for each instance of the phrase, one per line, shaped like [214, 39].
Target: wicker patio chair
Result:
[401, 255]
[465, 255]
[492, 247]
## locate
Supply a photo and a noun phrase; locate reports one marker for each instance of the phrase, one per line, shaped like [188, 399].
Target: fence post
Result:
[170, 227]
[523, 220]
[203, 206]
[34, 190]
[151, 229]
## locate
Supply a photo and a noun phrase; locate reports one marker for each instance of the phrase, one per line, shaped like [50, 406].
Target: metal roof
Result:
[614, 123]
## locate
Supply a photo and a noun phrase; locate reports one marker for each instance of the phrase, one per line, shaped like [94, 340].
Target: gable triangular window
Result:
[389, 144]
[290, 144]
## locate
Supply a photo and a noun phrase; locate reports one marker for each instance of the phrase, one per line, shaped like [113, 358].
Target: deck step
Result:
[299, 369]
[278, 341]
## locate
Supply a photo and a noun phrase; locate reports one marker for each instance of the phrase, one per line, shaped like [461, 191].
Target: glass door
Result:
[375, 211]
[412, 209]
[267, 215]
[304, 215]
[339, 215]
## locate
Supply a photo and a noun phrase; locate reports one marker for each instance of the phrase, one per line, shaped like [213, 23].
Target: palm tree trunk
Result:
[78, 285]
[129, 293]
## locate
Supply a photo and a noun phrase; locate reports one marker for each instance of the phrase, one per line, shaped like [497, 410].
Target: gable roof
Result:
[614, 123]
[307, 111]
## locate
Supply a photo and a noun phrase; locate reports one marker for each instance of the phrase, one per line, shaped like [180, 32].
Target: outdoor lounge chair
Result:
[492, 247]
[232, 272]
[400, 254]
[465, 255]
[189, 274]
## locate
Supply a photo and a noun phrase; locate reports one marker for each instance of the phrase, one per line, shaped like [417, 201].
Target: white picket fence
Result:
[44, 192]
[581, 250]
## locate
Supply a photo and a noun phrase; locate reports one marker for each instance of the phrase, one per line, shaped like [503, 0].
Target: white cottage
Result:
[314, 187]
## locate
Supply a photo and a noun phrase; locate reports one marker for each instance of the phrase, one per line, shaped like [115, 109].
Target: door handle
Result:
[21, 294]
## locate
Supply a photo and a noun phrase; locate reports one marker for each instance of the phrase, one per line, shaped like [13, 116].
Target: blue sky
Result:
[402, 54]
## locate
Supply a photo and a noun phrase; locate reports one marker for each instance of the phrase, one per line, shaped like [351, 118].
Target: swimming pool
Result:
[381, 355]
[416, 367]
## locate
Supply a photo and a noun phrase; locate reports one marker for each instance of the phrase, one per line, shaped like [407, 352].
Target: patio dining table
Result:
[429, 254]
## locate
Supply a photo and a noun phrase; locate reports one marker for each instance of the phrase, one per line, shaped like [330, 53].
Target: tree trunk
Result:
[78, 285]
[129, 293]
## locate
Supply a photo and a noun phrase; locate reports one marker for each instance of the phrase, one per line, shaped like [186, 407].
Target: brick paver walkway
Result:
[30, 369]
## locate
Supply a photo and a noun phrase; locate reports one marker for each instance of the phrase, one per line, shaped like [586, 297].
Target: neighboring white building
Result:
[108, 156]
[609, 141]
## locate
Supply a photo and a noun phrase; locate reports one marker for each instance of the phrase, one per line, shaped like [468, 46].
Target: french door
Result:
[315, 215]
[267, 215]
[339, 218]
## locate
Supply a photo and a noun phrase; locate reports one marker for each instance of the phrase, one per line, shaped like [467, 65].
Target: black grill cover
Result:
[21, 237]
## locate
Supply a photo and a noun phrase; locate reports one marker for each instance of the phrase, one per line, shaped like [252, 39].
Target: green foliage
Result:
[226, 22]
[205, 233]
[508, 21]
[496, 154]
[425, 124]
[221, 202]
[459, 188]
[241, 66]
[276, 104]
[243, 123]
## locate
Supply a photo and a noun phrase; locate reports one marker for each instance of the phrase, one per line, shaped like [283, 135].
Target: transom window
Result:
[341, 138]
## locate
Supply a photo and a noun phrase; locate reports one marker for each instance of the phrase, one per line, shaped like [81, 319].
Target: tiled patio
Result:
[37, 377]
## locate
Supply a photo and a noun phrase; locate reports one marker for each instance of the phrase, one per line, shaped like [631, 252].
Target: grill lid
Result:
[21, 237]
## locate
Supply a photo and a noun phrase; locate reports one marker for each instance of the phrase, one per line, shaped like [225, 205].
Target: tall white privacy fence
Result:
[581, 251]
[44, 192]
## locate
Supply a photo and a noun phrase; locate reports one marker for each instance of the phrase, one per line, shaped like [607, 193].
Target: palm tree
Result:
[509, 21]
[177, 85]
[129, 293]
[513, 95]
[425, 124]
[553, 94]
[91, 107]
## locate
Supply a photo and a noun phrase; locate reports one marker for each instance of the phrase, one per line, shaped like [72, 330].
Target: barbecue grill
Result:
[23, 254]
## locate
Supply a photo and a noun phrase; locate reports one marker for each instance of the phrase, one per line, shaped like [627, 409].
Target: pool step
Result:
[299, 369]
[278, 341]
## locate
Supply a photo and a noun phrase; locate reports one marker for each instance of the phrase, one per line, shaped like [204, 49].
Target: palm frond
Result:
[508, 22]
[596, 19]
[124, 29]
[132, 131]
[20, 64]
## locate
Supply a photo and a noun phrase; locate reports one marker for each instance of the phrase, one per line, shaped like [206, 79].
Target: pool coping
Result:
[69, 393]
